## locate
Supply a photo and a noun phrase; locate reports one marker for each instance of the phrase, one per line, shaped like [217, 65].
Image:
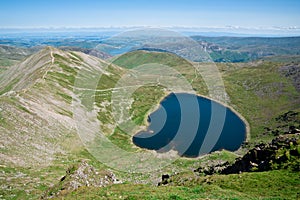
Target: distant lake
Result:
[182, 121]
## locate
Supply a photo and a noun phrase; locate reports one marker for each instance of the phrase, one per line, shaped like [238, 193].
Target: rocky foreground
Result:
[81, 175]
[282, 153]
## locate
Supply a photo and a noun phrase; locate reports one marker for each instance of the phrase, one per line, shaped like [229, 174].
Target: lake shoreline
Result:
[147, 124]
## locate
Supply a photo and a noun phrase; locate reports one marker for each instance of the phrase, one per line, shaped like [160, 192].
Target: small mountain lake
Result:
[191, 125]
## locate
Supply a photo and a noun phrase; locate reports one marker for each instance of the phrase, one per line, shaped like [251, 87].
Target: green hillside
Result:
[39, 139]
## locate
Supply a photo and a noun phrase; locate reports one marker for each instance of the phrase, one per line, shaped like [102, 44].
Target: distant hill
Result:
[10, 55]
[243, 49]
[220, 48]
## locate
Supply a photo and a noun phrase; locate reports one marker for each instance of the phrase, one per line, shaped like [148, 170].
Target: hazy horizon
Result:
[204, 31]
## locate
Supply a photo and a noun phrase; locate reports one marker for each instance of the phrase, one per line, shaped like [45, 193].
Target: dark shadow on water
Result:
[165, 130]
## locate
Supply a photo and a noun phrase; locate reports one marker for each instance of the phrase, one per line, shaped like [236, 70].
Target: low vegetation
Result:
[259, 91]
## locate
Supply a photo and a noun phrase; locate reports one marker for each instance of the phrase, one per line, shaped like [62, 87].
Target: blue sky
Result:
[192, 13]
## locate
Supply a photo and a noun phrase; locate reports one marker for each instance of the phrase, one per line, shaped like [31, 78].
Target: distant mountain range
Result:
[275, 31]
[220, 49]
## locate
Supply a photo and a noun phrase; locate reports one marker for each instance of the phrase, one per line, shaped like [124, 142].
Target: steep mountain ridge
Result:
[36, 106]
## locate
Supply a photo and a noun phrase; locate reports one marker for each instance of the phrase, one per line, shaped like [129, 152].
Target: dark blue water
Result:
[192, 126]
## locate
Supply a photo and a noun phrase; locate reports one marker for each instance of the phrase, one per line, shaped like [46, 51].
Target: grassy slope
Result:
[260, 93]
[264, 185]
[137, 58]
[252, 92]
[52, 85]
[257, 90]
[145, 97]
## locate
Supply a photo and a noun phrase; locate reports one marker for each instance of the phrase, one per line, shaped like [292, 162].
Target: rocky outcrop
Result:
[292, 72]
[282, 152]
[80, 175]
[286, 123]
[165, 178]
[211, 169]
